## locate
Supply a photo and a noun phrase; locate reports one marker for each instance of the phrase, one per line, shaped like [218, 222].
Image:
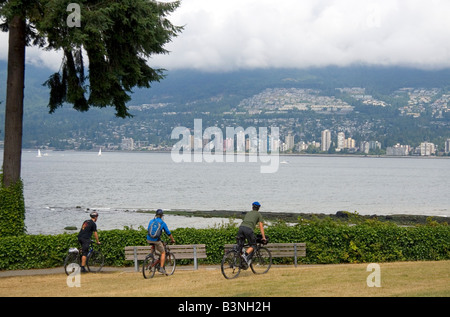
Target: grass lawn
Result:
[420, 279]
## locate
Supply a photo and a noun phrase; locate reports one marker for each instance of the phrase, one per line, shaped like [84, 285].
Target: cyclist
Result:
[88, 228]
[154, 236]
[246, 228]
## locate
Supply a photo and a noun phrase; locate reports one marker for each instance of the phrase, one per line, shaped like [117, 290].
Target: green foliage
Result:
[372, 241]
[12, 209]
[327, 241]
[116, 37]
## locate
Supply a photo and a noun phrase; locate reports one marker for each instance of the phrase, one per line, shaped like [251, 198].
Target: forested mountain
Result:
[407, 116]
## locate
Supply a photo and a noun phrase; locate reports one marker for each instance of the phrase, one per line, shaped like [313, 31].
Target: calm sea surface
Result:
[59, 187]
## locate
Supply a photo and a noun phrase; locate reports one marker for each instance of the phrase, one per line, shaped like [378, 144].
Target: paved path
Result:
[56, 270]
[60, 270]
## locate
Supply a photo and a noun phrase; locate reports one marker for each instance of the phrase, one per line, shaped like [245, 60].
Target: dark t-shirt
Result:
[87, 229]
[251, 219]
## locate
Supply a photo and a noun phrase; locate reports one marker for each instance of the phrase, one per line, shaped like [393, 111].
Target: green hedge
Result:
[327, 242]
[12, 209]
[371, 241]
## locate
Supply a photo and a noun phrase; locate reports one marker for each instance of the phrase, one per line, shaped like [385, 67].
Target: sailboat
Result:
[100, 152]
[39, 153]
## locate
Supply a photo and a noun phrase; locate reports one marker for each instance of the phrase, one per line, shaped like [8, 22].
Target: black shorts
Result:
[245, 233]
[85, 243]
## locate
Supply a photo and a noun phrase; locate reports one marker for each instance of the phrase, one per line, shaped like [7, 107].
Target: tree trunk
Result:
[12, 154]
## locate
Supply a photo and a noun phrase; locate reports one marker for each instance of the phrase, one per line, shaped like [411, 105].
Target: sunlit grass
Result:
[347, 280]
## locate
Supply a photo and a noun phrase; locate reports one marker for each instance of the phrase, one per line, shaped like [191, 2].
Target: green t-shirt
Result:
[251, 219]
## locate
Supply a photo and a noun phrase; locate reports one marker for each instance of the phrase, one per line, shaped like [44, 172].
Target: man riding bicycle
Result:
[154, 230]
[250, 221]
[84, 237]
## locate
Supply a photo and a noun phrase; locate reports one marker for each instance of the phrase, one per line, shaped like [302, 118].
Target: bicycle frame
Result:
[233, 260]
[166, 249]
[153, 263]
[240, 244]
[79, 252]
[75, 254]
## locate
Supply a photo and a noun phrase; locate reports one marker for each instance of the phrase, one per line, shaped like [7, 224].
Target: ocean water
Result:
[61, 188]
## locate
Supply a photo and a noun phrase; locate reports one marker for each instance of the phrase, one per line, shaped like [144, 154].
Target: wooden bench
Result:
[282, 250]
[189, 251]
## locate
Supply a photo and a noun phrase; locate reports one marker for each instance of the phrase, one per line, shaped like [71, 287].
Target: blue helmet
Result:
[256, 204]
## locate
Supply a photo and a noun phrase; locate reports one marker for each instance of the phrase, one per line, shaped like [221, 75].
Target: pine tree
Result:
[114, 37]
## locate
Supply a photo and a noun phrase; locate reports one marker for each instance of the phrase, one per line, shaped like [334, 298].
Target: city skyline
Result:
[233, 145]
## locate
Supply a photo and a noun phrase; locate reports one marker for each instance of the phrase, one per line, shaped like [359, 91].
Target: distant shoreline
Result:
[247, 154]
[400, 219]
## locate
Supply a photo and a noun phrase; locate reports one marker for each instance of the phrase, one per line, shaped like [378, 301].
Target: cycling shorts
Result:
[247, 233]
[158, 245]
[85, 243]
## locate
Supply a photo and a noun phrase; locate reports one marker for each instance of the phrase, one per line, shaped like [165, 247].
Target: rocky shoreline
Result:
[294, 217]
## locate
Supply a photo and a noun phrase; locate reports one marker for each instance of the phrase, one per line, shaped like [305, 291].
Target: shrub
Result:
[12, 209]
[326, 242]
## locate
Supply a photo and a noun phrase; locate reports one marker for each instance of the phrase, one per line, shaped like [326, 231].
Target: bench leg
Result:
[195, 258]
[295, 254]
[136, 265]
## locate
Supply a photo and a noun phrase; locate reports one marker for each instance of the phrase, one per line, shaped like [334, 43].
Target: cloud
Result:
[35, 56]
[223, 35]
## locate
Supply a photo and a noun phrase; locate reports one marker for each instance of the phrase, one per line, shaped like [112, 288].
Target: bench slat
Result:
[287, 254]
[281, 250]
[286, 244]
[138, 253]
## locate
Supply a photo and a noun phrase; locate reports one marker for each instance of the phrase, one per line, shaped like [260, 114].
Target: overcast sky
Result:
[222, 35]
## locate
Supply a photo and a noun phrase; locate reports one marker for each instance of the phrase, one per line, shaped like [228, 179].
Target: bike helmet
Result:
[159, 212]
[256, 204]
[93, 214]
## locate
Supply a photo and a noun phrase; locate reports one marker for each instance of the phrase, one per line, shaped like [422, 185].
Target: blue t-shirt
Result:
[163, 227]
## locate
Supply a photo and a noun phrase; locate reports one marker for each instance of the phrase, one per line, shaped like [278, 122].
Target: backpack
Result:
[154, 229]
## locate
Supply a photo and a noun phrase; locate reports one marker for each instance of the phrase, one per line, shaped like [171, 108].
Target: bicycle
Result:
[152, 264]
[233, 261]
[94, 260]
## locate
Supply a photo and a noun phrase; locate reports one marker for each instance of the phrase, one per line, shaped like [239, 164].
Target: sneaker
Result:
[247, 258]
[162, 271]
[83, 270]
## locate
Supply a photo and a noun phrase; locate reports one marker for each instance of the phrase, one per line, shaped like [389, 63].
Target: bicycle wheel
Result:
[71, 258]
[149, 267]
[95, 261]
[261, 261]
[170, 263]
[231, 264]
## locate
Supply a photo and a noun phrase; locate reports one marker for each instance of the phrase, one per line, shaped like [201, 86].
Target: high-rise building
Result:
[340, 141]
[447, 146]
[127, 144]
[326, 140]
[349, 143]
[367, 146]
[427, 149]
[398, 150]
[289, 142]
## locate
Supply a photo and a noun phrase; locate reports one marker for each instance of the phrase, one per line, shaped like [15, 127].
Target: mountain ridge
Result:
[187, 94]
[193, 85]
